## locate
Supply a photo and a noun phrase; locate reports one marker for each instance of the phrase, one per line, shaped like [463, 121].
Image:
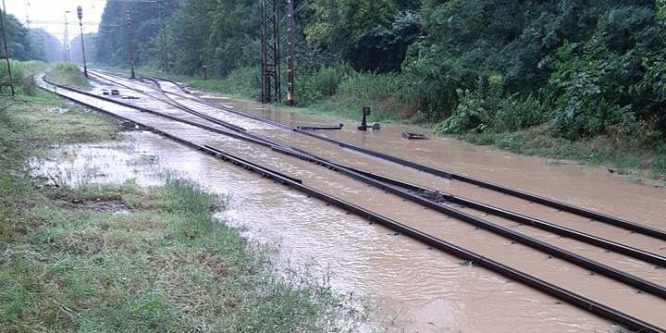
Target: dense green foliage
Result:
[29, 44]
[90, 47]
[583, 68]
[113, 40]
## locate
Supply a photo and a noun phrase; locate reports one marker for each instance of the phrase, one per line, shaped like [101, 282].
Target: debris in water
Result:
[414, 136]
[320, 127]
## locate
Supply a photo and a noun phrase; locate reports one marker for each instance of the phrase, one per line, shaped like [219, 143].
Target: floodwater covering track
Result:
[612, 220]
[643, 255]
[523, 219]
[439, 200]
[435, 242]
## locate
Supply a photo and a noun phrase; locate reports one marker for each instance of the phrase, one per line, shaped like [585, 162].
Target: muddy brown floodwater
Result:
[414, 288]
[595, 188]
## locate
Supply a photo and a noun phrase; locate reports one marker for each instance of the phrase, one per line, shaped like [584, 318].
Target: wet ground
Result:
[411, 288]
[418, 289]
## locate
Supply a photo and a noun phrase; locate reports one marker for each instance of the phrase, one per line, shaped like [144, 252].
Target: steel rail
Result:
[199, 114]
[520, 218]
[618, 222]
[571, 257]
[547, 248]
[601, 217]
[543, 225]
[523, 219]
[516, 217]
[577, 300]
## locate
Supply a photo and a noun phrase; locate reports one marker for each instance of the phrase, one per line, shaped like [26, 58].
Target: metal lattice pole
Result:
[271, 90]
[66, 55]
[4, 41]
[163, 48]
[290, 52]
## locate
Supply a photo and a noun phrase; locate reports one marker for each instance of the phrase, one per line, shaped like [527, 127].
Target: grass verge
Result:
[617, 155]
[123, 258]
[68, 74]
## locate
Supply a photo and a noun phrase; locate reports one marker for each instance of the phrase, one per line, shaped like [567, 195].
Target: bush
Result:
[68, 74]
[244, 81]
[17, 73]
[516, 113]
[472, 114]
[488, 109]
[589, 98]
[22, 75]
[322, 84]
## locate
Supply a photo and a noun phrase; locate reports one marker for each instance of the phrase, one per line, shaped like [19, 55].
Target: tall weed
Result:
[321, 84]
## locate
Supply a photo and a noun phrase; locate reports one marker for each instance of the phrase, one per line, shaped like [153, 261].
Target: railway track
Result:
[190, 112]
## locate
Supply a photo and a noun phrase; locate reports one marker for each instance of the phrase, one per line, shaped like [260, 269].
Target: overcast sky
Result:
[50, 14]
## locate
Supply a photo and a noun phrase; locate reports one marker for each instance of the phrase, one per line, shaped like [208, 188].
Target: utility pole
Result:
[290, 52]
[66, 55]
[271, 90]
[27, 15]
[163, 50]
[131, 40]
[4, 42]
[79, 11]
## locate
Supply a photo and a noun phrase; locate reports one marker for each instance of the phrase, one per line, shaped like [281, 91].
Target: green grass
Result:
[620, 155]
[166, 266]
[28, 125]
[22, 72]
[68, 74]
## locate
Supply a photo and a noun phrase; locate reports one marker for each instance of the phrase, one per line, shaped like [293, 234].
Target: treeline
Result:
[580, 68]
[29, 44]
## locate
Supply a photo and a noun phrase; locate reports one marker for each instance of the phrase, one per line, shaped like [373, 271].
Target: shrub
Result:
[488, 109]
[17, 73]
[471, 114]
[589, 98]
[322, 84]
[518, 112]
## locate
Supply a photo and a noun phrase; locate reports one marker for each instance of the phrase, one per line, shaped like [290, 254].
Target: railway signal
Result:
[79, 12]
[364, 123]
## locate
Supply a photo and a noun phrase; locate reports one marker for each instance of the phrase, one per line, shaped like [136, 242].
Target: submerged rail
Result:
[581, 261]
[611, 220]
[479, 260]
[523, 219]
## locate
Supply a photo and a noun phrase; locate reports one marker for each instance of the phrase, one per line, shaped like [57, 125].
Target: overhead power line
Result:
[57, 22]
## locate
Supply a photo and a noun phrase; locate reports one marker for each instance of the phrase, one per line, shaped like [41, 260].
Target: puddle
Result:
[103, 163]
[102, 206]
[57, 109]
